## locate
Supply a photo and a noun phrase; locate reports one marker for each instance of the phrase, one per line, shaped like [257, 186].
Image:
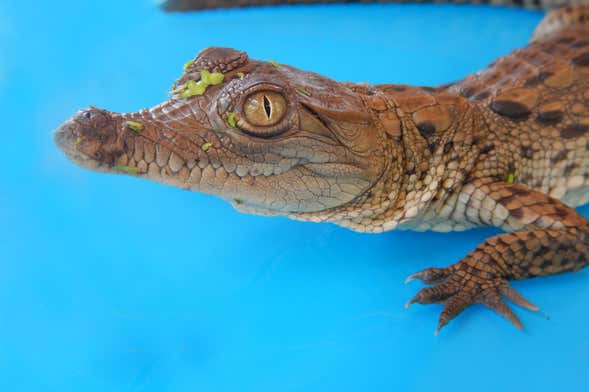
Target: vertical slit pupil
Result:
[267, 107]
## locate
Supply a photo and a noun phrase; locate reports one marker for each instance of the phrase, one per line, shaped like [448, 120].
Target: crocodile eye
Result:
[264, 109]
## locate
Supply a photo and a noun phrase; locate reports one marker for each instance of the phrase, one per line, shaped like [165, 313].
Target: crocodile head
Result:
[269, 138]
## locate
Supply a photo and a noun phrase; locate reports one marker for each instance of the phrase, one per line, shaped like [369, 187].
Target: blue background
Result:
[114, 283]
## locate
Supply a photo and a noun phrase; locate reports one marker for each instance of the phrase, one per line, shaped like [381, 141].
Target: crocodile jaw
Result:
[323, 153]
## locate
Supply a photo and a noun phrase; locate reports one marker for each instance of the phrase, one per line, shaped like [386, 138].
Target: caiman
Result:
[507, 147]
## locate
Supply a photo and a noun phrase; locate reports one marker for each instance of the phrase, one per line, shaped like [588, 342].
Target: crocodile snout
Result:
[91, 136]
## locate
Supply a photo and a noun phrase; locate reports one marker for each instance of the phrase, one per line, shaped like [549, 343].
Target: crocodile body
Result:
[505, 147]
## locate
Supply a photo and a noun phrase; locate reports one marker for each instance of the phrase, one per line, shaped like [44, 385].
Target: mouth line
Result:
[89, 162]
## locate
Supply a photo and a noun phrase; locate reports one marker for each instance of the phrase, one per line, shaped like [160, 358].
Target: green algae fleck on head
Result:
[231, 119]
[211, 79]
[192, 88]
[134, 126]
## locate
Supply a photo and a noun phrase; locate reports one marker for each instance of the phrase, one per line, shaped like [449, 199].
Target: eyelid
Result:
[268, 132]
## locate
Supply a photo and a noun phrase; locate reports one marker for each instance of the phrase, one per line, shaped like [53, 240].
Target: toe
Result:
[430, 295]
[452, 308]
[511, 294]
[492, 300]
[430, 275]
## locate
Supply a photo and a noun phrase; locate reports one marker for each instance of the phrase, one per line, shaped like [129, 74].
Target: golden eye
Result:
[264, 109]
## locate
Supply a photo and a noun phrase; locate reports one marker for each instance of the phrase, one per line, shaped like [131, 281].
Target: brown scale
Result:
[537, 99]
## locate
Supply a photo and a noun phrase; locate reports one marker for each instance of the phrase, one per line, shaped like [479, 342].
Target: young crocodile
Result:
[505, 147]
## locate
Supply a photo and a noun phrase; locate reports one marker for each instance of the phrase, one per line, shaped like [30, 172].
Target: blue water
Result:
[109, 283]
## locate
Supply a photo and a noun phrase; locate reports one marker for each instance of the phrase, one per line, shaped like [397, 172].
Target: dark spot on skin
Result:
[520, 191]
[540, 253]
[429, 89]
[426, 129]
[580, 44]
[562, 212]
[517, 213]
[549, 47]
[466, 92]
[487, 149]
[399, 88]
[573, 131]
[566, 40]
[582, 60]
[448, 147]
[545, 264]
[527, 152]
[552, 242]
[506, 199]
[550, 117]
[481, 96]
[510, 109]
[542, 76]
[468, 177]
[532, 82]
[561, 156]
[569, 168]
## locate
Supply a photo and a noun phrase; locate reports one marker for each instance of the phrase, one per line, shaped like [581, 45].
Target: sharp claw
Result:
[441, 324]
[431, 276]
[409, 303]
[410, 278]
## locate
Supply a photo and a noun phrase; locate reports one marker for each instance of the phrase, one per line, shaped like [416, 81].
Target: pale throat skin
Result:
[499, 148]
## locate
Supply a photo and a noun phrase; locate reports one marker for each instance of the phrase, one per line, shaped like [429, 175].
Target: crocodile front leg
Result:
[546, 237]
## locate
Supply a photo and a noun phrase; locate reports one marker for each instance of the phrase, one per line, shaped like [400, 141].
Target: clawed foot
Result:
[463, 284]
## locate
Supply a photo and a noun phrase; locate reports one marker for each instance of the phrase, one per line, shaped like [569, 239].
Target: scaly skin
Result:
[506, 147]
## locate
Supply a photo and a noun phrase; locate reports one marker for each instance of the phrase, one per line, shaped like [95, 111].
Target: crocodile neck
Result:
[431, 134]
